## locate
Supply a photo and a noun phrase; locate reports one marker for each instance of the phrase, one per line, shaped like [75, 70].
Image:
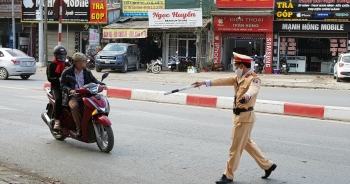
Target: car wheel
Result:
[25, 77]
[125, 67]
[137, 66]
[98, 69]
[3, 74]
[338, 79]
[334, 77]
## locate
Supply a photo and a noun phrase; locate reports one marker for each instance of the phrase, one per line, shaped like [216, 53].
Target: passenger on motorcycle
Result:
[54, 71]
[83, 76]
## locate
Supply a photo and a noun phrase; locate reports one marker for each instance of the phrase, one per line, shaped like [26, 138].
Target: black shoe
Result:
[269, 171]
[78, 134]
[224, 180]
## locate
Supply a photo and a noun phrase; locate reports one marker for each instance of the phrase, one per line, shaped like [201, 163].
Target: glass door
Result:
[187, 48]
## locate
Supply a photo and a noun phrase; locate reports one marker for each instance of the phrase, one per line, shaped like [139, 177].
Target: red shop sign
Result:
[243, 23]
[245, 3]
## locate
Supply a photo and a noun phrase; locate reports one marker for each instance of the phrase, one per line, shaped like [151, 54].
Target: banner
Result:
[243, 23]
[140, 7]
[94, 37]
[175, 18]
[74, 12]
[124, 33]
[217, 47]
[317, 10]
[245, 3]
[7, 7]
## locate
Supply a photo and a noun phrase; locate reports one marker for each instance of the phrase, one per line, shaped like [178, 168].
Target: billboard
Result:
[124, 33]
[74, 12]
[312, 10]
[140, 7]
[245, 3]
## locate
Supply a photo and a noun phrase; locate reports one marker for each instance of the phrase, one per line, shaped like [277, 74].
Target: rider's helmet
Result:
[60, 53]
[79, 57]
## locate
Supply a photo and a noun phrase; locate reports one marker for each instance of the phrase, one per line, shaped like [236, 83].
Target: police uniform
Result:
[244, 119]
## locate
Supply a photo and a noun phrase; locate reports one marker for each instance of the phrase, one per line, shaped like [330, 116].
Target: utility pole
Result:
[45, 34]
[41, 36]
[199, 44]
[60, 24]
[13, 25]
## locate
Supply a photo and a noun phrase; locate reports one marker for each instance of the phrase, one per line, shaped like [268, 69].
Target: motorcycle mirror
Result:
[71, 79]
[105, 75]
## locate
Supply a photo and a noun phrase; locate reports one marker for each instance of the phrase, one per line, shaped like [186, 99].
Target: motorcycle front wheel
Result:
[156, 69]
[104, 137]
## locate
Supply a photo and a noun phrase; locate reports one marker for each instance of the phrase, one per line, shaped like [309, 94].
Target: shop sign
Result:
[297, 26]
[94, 37]
[175, 18]
[140, 7]
[318, 10]
[245, 3]
[243, 23]
[124, 33]
[6, 7]
[74, 11]
[217, 47]
[268, 60]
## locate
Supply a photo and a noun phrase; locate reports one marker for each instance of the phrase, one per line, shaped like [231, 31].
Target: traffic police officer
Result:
[246, 85]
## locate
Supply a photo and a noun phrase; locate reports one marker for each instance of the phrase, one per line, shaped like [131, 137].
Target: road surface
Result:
[163, 143]
[296, 95]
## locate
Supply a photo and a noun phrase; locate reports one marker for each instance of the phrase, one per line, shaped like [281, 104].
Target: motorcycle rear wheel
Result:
[156, 69]
[104, 137]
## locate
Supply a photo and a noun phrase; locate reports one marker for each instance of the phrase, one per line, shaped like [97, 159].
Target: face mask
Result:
[239, 72]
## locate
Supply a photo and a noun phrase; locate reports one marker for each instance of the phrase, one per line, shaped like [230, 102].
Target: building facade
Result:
[311, 34]
[162, 40]
[240, 28]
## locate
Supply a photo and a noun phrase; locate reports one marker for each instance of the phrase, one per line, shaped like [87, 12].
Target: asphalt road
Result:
[296, 95]
[163, 143]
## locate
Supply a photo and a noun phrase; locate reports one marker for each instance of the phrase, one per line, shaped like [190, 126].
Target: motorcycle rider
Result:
[54, 71]
[83, 76]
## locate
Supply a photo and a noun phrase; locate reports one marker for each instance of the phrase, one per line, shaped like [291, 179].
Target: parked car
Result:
[342, 67]
[14, 62]
[118, 56]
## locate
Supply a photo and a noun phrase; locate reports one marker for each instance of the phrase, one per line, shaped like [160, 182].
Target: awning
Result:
[138, 24]
[242, 13]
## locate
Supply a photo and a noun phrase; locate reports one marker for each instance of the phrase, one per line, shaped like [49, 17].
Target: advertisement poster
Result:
[217, 47]
[314, 10]
[175, 18]
[124, 33]
[140, 7]
[245, 3]
[86, 12]
[94, 37]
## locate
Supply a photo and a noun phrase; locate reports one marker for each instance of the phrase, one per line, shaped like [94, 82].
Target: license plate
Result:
[107, 61]
[29, 63]
[284, 65]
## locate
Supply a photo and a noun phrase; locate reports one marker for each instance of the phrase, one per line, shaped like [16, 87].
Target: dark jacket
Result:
[67, 86]
[54, 77]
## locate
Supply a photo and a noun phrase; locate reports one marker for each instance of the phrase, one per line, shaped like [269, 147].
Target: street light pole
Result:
[13, 25]
[45, 33]
[60, 24]
[41, 35]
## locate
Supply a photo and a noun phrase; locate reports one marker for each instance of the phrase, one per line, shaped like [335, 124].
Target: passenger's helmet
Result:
[60, 53]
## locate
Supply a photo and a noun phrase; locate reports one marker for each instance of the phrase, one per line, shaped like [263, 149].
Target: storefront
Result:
[78, 20]
[310, 46]
[310, 40]
[239, 28]
[249, 35]
[161, 36]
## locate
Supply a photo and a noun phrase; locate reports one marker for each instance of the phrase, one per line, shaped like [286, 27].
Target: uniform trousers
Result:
[241, 140]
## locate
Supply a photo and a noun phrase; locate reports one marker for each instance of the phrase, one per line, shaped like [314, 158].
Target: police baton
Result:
[180, 89]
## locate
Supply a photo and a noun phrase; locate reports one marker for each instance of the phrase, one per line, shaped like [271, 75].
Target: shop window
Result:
[172, 47]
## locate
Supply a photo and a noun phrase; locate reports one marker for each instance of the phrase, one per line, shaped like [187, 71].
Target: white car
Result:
[14, 62]
[342, 67]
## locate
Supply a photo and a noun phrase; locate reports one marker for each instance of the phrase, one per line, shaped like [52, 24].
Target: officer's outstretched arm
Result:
[230, 81]
[254, 87]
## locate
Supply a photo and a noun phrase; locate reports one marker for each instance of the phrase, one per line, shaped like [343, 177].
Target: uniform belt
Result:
[237, 111]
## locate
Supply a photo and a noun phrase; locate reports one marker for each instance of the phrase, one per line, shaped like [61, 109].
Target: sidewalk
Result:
[8, 176]
[268, 80]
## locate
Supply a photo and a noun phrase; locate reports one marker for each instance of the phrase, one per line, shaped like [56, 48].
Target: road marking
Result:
[6, 108]
[303, 144]
[43, 97]
[26, 89]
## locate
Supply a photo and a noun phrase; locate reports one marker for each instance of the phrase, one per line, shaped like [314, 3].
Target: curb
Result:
[220, 102]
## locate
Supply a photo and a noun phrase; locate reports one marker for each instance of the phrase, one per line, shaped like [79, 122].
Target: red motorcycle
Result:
[90, 62]
[96, 126]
